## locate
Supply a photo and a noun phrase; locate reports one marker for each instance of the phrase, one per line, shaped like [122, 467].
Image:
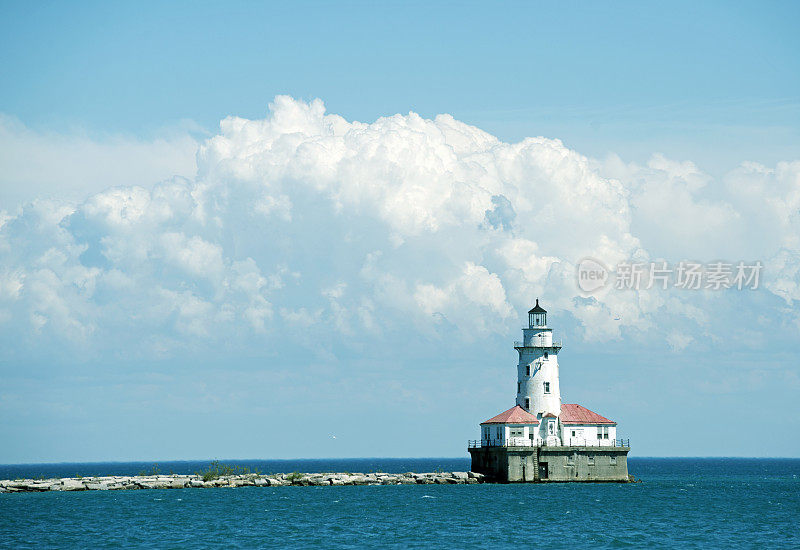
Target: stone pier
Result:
[176, 481]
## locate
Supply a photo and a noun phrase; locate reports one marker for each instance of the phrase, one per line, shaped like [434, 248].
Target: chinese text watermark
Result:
[686, 275]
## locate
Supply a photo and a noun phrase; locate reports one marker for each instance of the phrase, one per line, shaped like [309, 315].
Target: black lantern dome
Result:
[537, 316]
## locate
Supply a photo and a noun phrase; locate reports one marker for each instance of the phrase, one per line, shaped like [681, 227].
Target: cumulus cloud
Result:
[403, 224]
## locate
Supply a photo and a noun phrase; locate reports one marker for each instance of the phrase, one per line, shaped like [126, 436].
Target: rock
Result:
[475, 475]
[35, 486]
[339, 477]
[72, 485]
[261, 482]
[460, 475]
[277, 482]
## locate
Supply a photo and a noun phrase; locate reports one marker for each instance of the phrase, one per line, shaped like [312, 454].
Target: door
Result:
[543, 470]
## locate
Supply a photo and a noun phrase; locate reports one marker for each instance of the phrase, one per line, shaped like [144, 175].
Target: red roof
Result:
[572, 413]
[514, 415]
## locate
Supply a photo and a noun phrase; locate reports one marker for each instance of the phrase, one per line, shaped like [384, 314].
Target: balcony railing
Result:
[534, 344]
[522, 442]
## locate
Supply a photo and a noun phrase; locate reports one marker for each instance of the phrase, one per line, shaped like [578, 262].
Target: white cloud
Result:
[72, 165]
[474, 298]
[405, 224]
[679, 341]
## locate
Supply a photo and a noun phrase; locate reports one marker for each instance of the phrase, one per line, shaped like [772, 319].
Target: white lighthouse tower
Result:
[538, 391]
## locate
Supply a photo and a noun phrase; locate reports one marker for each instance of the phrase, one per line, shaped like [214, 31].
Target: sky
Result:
[237, 230]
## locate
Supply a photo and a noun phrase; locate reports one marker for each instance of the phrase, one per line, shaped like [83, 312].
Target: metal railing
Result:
[555, 344]
[477, 443]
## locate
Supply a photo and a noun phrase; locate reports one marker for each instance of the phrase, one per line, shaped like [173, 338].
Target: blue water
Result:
[708, 503]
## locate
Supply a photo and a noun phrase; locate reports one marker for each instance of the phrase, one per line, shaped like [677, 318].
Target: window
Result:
[537, 319]
[602, 432]
[573, 433]
[498, 432]
[613, 460]
[517, 432]
[527, 370]
[547, 387]
[518, 386]
[545, 355]
[591, 460]
[571, 459]
[551, 428]
[527, 403]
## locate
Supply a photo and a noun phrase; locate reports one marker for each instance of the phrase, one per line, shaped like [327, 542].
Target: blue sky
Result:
[626, 77]
[175, 287]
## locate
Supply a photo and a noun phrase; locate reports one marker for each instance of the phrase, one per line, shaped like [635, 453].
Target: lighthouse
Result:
[538, 391]
[540, 438]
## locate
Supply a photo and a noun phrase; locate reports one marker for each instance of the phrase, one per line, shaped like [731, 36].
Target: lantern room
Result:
[537, 317]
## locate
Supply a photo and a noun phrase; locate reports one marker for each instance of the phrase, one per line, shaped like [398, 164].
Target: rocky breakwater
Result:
[177, 481]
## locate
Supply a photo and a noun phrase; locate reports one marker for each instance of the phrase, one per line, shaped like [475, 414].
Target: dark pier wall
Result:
[543, 464]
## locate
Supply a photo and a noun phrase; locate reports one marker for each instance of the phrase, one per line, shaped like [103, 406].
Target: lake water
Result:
[681, 502]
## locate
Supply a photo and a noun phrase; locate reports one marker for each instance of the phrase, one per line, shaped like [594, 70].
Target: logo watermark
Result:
[686, 275]
[592, 275]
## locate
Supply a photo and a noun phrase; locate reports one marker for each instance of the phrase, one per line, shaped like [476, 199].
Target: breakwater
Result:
[178, 481]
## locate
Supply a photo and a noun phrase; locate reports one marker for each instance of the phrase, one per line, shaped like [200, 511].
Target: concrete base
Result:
[545, 464]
